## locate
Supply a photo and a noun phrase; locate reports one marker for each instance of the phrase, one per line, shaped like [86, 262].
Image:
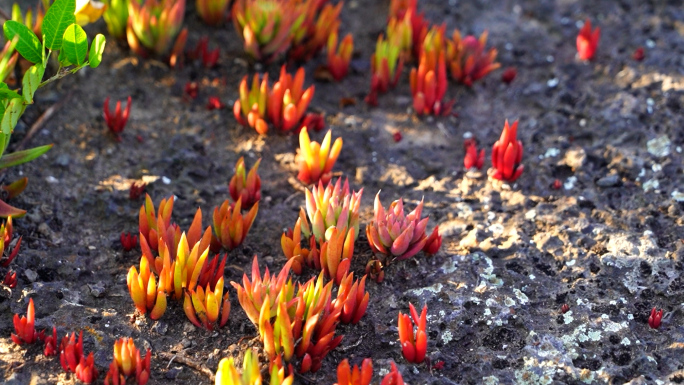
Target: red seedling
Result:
[413, 347]
[639, 54]
[397, 137]
[191, 89]
[587, 41]
[472, 158]
[24, 331]
[73, 360]
[439, 365]
[136, 190]
[51, 344]
[433, 243]
[654, 318]
[117, 121]
[214, 103]
[348, 376]
[6, 231]
[507, 154]
[393, 377]
[564, 309]
[10, 279]
[339, 57]
[128, 241]
[201, 51]
[556, 185]
[509, 75]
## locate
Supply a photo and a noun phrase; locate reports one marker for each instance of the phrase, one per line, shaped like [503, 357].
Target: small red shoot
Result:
[509, 75]
[117, 121]
[654, 318]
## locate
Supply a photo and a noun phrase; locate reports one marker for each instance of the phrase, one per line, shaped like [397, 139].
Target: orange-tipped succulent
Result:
[73, 359]
[227, 373]
[339, 57]
[395, 233]
[468, 59]
[429, 80]
[386, 66]
[276, 333]
[230, 226]
[203, 306]
[24, 327]
[127, 363]
[348, 376]
[288, 101]
[6, 232]
[154, 26]
[507, 155]
[587, 41]
[252, 293]
[146, 292]
[154, 226]
[316, 160]
[337, 252]
[353, 298]
[413, 346]
[332, 206]
[291, 243]
[315, 322]
[213, 12]
[400, 33]
[265, 26]
[250, 109]
[246, 186]
[318, 24]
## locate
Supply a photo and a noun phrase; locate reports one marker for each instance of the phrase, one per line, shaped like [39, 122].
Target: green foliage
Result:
[75, 45]
[96, 50]
[57, 19]
[28, 44]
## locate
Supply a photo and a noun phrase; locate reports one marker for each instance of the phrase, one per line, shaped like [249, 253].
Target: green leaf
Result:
[31, 82]
[75, 44]
[57, 19]
[6, 93]
[63, 60]
[19, 157]
[12, 114]
[96, 50]
[7, 210]
[28, 45]
[4, 139]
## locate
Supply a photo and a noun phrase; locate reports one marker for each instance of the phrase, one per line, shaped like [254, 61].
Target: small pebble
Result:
[31, 275]
[608, 181]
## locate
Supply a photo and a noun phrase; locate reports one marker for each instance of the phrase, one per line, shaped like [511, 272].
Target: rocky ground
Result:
[609, 243]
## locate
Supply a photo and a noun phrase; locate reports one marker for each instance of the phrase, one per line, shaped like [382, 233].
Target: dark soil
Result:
[609, 243]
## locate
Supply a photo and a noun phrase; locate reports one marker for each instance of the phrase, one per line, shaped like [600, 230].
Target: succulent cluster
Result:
[413, 345]
[272, 28]
[300, 323]
[507, 154]
[154, 28]
[74, 360]
[284, 105]
[128, 363]
[468, 59]
[8, 253]
[339, 56]
[393, 233]
[363, 376]
[316, 160]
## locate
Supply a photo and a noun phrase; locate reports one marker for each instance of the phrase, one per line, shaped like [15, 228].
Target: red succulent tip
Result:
[639, 54]
[654, 318]
[191, 89]
[136, 190]
[397, 137]
[587, 41]
[116, 121]
[413, 346]
[434, 242]
[128, 241]
[564, 309]
[472, 158]
[10, 279]
[509, 75]
[507, 154]
[214, 103]
[556, 185]
[24, 331]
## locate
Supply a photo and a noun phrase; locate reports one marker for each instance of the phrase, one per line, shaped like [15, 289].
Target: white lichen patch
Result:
[491, 302]
[496, 229]
[535, 372]
[677, 196]
[449, 266]
[447, 337]
[570, 183]
[521, 296]
[586, 376]
[532, 277]
[651, 184]
[487, 312]
[613, 327]
[530, 215]
[510, 302]
[490, 380]
[435, 289]
[659, 146]
[551, 152]
[625, 341]
[567, 317]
